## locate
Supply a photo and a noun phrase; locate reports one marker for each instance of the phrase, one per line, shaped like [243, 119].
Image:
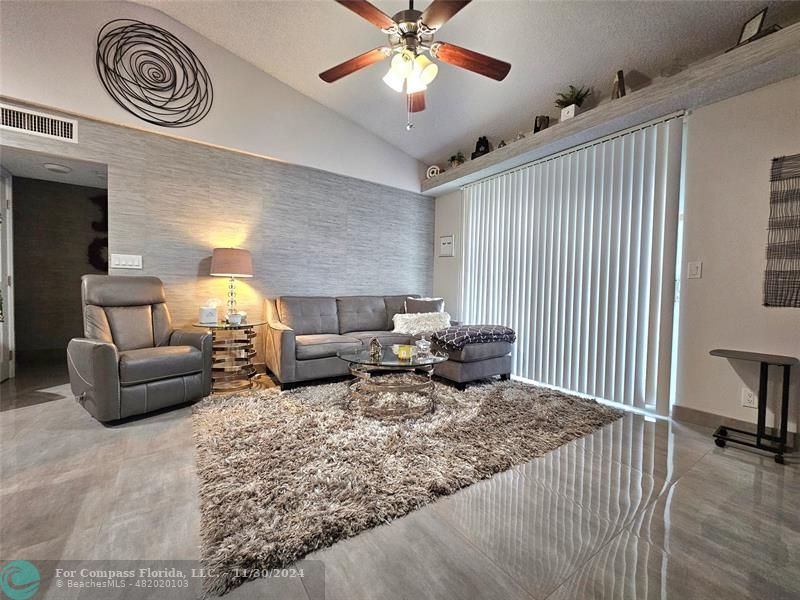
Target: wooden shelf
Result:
[765, 61]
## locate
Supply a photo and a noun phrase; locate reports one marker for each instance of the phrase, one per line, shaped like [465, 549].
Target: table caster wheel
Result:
[719, 442]
[723, 431]
[779, 459]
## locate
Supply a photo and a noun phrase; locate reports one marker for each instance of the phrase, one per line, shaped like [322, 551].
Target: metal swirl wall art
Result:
[152, 74]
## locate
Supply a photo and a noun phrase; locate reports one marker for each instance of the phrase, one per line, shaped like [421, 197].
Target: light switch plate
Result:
[126, 261]
[694, 269]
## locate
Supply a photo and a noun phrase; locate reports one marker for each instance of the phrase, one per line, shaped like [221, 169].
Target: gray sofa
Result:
[131, 361]
[304, 333]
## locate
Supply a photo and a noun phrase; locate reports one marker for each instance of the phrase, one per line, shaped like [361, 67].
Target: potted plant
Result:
[457, 159]
[570, 101]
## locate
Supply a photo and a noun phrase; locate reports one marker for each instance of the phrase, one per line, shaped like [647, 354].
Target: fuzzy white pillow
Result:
[417, 323]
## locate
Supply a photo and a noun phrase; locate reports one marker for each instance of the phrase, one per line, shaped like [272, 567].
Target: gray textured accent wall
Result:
[53, 230]
[310, 231]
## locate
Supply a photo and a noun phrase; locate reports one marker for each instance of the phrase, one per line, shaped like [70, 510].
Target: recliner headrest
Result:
[118, 290]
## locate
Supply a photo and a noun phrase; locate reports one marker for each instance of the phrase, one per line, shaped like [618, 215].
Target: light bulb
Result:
[403, 63]
[394, 81]
[415, 83]
[427, 69]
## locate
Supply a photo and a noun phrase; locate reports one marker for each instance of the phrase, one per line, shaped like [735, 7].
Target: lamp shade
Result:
[231, 262]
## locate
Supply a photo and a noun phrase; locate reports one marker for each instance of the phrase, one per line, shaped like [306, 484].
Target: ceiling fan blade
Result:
[416, 102]
[368, 11]
[471, 60]
[353, 65]
[441, 11]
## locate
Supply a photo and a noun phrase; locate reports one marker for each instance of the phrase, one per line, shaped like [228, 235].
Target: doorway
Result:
[55, 229]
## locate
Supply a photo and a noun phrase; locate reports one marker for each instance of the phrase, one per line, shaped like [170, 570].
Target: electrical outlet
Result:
[749, 398]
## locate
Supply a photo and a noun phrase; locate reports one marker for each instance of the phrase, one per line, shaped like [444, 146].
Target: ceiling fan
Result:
[411, 34]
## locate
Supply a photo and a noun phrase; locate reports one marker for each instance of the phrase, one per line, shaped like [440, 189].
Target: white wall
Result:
[47, 56]
[447, 270]
[729, 152]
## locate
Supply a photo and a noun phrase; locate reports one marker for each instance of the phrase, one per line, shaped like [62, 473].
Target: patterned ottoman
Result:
[475, 351]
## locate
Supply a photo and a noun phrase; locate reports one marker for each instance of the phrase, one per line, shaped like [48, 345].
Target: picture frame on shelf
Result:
[752, 27]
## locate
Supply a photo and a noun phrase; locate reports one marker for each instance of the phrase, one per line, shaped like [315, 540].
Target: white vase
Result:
[570, 111]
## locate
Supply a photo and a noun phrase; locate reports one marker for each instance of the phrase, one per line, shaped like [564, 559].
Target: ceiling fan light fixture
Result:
[403, 63]
[426, 69]
[415, 83]
[393, 80]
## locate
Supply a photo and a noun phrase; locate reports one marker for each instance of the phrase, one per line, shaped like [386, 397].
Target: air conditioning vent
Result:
[36, 123]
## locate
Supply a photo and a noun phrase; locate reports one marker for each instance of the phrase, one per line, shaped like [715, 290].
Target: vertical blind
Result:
[577, 254]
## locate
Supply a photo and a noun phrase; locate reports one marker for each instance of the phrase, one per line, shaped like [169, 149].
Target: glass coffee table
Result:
[389, 387]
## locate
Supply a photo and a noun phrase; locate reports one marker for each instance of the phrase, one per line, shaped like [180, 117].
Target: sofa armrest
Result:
[203, 341]
[279, 351]
[94, 376]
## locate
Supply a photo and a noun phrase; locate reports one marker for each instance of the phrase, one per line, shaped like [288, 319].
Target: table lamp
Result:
[231, 263]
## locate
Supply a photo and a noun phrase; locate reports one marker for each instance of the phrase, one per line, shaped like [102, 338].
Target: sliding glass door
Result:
[577, 253]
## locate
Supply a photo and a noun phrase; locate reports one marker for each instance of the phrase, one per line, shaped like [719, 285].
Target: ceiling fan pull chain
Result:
[409, 122]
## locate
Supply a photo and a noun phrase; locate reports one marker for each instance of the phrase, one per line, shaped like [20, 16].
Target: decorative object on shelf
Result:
[502, 144]
[446, 245]
[541, 122]
[782, 275]
[753, 30]
[209, 313]
[482, 147]
[411, 47]
[233, 350]
[433, 171]
[457, 159]
[231, 263]
[570, 101]
[518, 137]
[152, 74]
[375, 348]
[618, 89]
[752, 27]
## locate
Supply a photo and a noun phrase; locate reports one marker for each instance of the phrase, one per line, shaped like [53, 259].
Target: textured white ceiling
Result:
[550, 45]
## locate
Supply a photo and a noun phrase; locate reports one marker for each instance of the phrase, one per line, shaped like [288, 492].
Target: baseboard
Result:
[705, 419]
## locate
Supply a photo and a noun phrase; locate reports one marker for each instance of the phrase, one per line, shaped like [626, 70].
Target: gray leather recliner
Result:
[131, 361]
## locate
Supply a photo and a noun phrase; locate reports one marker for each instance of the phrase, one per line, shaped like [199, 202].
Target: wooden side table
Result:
[233, 351]
[760, 439]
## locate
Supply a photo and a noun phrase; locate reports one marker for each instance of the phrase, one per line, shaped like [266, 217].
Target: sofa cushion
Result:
[386, 338]
[150, 364]
[475, 352]
[394, 305]
[424, 305]
[309, 315]
[361, 313]
[323, 345]
[418, 323]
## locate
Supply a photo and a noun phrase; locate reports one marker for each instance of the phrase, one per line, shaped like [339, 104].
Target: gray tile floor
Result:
[639, 509]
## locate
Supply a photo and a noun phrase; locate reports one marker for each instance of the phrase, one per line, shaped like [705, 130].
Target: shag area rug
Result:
[285, 473]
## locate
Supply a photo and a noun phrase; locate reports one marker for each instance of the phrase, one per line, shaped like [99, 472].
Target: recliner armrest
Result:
[188, 337]
[203, 341]
[94, 374]
[279, 351]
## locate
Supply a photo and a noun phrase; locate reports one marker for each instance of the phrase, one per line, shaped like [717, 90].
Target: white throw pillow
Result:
[417, 323]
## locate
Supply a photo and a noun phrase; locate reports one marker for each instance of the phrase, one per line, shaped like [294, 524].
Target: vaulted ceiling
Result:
[550, 44]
